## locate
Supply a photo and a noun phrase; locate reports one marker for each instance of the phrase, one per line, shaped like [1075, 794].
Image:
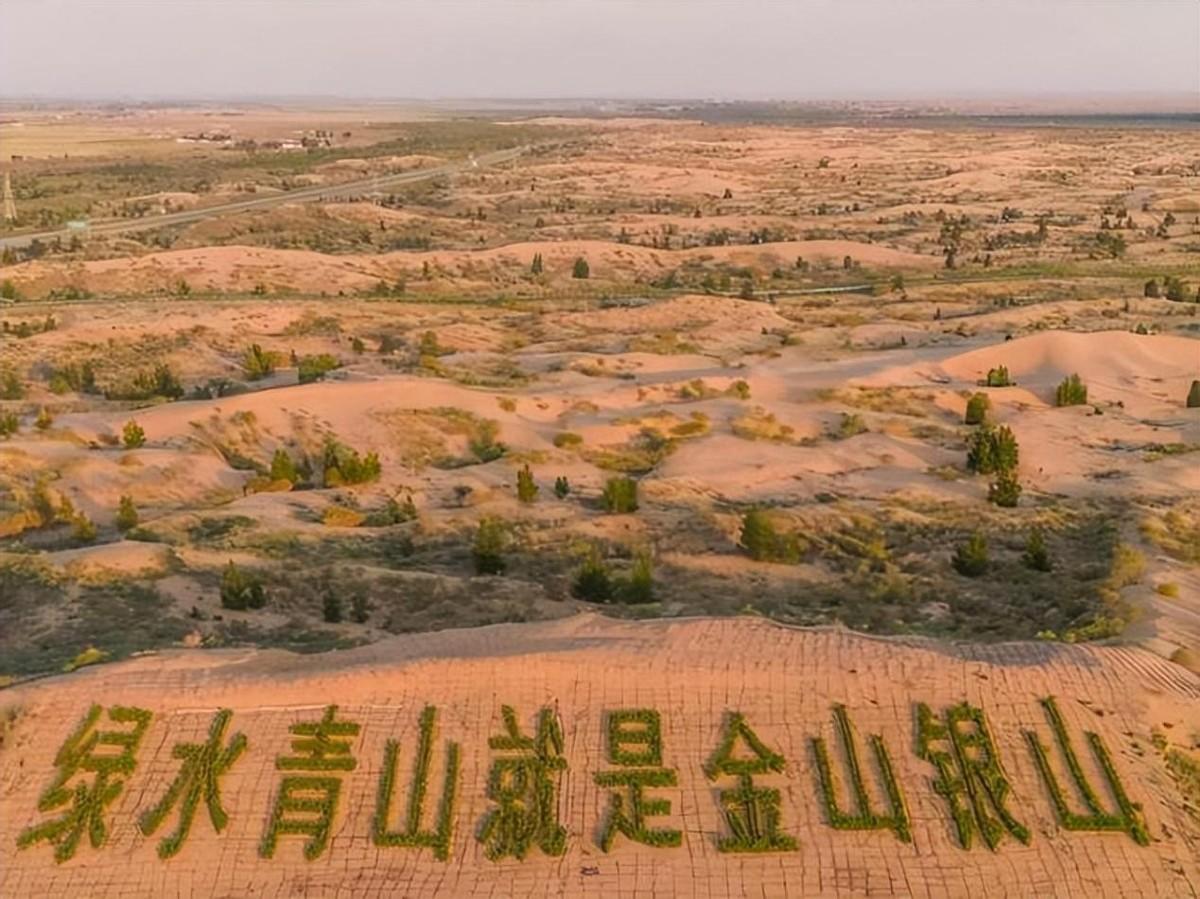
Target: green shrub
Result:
[283, 468]
[527, 490]
[562, 487]
[1151, 289]
[132, 436]
[971, 558]
[483, 443]
[620, 495]
[998, 377]
[11, 387]
[1036, 556]
[9, 424]
[258, 363]
[639, 588]
[592, 581]
[127, 514]
[343, 465]
[581, 269]
[763, 542]
[331, 606]
[564, 439]
[83, 530]
[159, 381]
[991, 450]
[850, 425]
[1174, 289]
[1005, 490]
[488, 550]
[978, 409]
[1193, 397]
[1071, 392]
[241, 590]
[314, 368]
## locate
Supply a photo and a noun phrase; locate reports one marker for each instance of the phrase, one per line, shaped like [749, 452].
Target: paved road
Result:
[303, 195]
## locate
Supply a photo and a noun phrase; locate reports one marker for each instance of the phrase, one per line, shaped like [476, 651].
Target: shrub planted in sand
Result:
[992, 450]
[241, 590]
[971, 558]
[1193, 397]
[620, 495]
[978, 409]
[763, 542]
[132, 435]
[127, 514]
[1071, 392]
[527, 490]
[488, 549]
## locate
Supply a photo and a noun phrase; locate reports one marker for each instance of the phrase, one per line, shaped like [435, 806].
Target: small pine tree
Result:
[1005, 490]
[971, 558]
[639, 589]
[44, 419]
[992, 450]
[1071, 392]
[1151, 289]
[357, 346]
[592, 582]
[620, 495]
[127, 514]
[132, 436]
[360, 608]
[562, 487]
[9, 424]
[537, 267]
[581, 269]
[1193, 397]
[488, 549]
[258, 363]
[978, 408]
[1036, 555]
[527, 490]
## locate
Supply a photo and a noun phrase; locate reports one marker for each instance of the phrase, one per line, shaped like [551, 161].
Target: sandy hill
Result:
[691, 678]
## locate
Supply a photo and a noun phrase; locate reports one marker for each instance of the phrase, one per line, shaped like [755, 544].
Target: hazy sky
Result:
[781, 49]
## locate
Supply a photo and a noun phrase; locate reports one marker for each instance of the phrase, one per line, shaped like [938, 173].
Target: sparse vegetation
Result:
[971, 558]
[620, 495]
[132, 435]
[1071, 392]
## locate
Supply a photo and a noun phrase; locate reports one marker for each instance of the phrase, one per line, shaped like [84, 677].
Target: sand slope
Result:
[693, 673]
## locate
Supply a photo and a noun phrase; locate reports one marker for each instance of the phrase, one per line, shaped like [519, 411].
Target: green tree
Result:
[1174, 289]
[978, 409]
[527, 489]
[1193, 397]
[1036, 556]
[581, 269]
[1005, 490]
[971, 558]
[127, 514]
[9, 424]
[357, 346]
[44, 419]
[562, 487]
[8, 290]
[592, 581]
[620, 495]
[537, 266]
[1151, 289]
[1071, 392]
[241, 590]
[491, 537]
[132, 436]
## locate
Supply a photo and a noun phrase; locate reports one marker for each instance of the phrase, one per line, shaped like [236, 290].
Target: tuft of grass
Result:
[90, 656]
